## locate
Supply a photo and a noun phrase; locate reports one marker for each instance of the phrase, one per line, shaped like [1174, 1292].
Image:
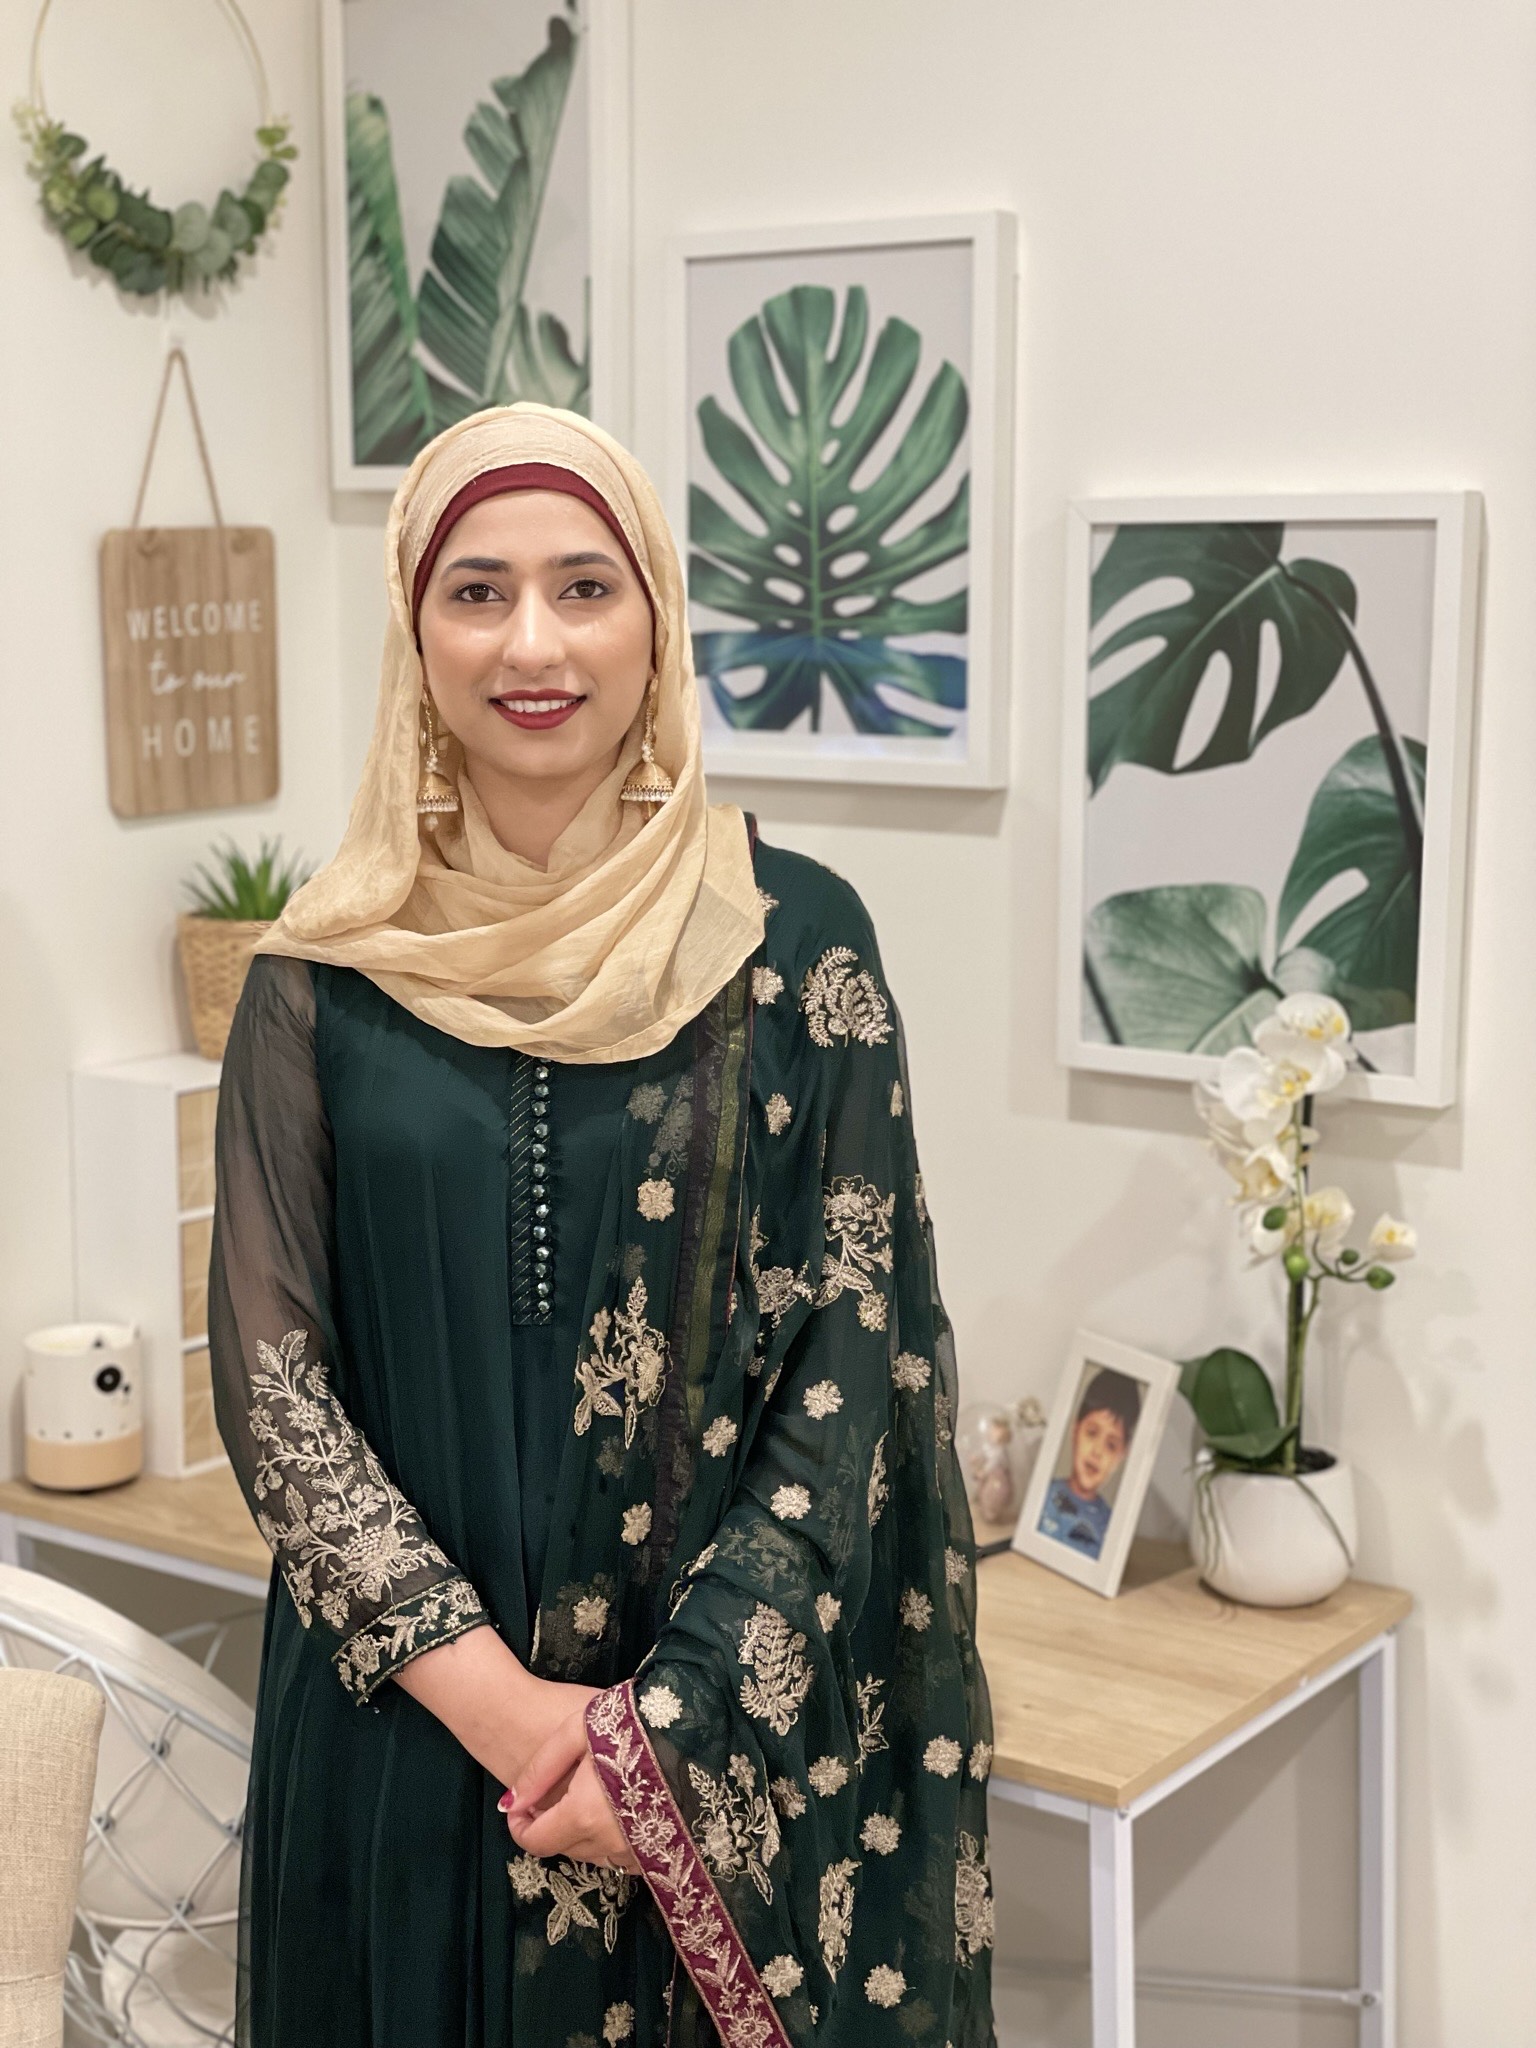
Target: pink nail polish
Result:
[506, 1802]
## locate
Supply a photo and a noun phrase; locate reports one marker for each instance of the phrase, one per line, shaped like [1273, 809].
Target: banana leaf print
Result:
[467, 338]
[474, 320]
[391, 405]
[820, 589]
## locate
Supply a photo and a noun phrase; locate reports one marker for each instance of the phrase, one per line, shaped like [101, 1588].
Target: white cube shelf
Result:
[143, 1174]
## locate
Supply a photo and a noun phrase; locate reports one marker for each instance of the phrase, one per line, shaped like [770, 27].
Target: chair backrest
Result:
[174, 1759]
[50, 1727]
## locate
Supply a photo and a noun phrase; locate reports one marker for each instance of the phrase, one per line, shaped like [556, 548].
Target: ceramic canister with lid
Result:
[83, 1405]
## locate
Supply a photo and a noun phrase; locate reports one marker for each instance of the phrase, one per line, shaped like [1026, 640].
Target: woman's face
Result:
[536, 636]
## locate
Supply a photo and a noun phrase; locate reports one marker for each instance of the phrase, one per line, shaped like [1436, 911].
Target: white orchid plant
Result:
[1256, 1113]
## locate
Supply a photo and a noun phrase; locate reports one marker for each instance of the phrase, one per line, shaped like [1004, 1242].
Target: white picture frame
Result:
[605, 59]
[719, 281]
[1157, 1381]
[1416, 557]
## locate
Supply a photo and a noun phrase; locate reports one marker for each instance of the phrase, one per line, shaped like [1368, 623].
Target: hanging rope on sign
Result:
[189, 633]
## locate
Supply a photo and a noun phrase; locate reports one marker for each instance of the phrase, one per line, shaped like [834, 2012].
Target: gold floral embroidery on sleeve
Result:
[345, 1538]
[839, 1003]
[974, 1916]
[835, 1921]
[767, 984]
[777, 1111]
[572, 1884]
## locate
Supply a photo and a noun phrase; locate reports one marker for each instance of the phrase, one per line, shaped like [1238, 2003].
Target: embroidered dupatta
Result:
[799, 1758]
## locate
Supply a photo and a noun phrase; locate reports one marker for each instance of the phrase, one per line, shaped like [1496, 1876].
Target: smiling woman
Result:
[578, 1343]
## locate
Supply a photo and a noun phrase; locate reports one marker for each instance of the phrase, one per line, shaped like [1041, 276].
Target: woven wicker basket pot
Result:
[215, 954]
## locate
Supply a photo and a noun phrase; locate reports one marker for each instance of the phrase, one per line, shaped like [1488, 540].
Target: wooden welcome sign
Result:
[189, 629]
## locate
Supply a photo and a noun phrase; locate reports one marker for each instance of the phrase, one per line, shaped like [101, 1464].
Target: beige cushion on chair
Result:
[49, 1730]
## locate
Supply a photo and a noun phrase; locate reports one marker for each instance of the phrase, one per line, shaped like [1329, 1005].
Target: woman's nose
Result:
[533, 640]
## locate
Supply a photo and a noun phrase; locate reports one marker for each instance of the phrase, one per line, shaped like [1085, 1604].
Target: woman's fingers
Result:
[552, 1762]
[581, 1824]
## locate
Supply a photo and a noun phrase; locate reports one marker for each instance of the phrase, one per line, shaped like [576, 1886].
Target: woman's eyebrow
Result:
[587, 559]
[491, 562]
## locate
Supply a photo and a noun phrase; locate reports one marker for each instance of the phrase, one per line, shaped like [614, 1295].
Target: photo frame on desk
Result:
[1090, 1479]
[1266, 778]
[839, 405]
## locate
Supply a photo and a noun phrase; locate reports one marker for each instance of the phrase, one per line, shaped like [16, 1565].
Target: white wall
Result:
[1262, 248]
[88, 903]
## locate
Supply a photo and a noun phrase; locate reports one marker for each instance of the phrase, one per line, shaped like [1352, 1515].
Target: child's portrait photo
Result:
[1091, 1477]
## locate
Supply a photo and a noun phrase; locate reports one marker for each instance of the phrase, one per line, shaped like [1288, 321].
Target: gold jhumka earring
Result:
[647, 782]
[435, 795]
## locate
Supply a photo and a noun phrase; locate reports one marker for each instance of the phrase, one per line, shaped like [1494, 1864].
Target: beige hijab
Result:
[639, 917]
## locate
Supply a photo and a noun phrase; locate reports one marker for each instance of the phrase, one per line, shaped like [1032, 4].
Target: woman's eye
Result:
[476, 593]
[588, 587]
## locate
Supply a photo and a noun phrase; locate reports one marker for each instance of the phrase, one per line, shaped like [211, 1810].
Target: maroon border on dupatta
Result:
[702, 1931]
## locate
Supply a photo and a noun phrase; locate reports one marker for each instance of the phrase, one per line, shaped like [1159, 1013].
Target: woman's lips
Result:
[554, 710]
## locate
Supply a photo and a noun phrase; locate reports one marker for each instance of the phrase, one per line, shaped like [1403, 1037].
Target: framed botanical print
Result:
[1266, 776]
[840, 401]
[476, 159]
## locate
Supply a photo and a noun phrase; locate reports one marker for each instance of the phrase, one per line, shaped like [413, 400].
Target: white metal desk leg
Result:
[1378, 1847]
[14, 1547]
[1113, 1916]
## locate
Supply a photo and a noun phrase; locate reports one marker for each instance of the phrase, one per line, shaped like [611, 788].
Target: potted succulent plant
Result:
[1274, 1517]
[233, 903]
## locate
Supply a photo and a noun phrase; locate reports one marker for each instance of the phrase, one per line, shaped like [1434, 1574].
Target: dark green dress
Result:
[645, 1364]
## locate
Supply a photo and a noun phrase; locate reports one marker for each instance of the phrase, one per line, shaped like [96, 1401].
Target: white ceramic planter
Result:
[1271, 1541]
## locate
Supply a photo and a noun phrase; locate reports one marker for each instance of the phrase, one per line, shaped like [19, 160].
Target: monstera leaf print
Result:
[391, 406]
[474, 321]
[1236, 586]
[1355, 828]
[1183, 968]
[820, 587]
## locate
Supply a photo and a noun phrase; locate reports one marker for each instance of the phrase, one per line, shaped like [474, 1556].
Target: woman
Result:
[577, 1344]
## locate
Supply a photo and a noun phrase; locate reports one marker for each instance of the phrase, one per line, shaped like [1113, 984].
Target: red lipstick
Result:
[536, 710]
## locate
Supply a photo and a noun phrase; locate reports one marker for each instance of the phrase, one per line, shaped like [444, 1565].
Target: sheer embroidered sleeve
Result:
[353, 1552]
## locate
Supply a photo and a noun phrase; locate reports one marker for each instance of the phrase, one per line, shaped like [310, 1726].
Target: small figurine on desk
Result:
[995, 1444]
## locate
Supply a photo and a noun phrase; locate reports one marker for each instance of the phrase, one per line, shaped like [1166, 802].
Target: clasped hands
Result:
[556, 1805]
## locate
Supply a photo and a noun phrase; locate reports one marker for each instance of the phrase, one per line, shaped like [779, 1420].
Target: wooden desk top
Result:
[204, 1518]
[1093, 1699]
[1102, 1699]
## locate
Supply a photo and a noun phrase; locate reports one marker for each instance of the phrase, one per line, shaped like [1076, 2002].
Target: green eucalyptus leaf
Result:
[66, 145]
[79, 232]
[392, 414]
[1237, 585]
[1355, 827]
[1179, 968]
[232, 217]
[212, 254]
[190, 228]
[102, 199]
[821, 588]
[470, 305]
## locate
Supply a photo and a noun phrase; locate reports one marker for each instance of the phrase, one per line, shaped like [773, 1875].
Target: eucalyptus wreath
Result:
[149, 248]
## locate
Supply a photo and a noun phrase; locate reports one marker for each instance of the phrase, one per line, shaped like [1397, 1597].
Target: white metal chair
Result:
[157, 1913]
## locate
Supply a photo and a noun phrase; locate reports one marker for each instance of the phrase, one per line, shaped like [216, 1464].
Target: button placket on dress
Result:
[529, 1206]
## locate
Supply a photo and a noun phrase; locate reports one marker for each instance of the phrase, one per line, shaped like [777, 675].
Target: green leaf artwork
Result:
[1237, 586]
[1195, 967]
[391, 404]
[821, 584]
[466, 337]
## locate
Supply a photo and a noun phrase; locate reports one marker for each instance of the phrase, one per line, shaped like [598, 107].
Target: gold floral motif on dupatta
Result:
[839, 1003]
[737, 1829]
[779, 1677]
[857, 1217]
[637, 1362]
